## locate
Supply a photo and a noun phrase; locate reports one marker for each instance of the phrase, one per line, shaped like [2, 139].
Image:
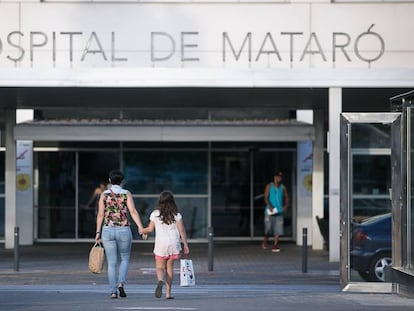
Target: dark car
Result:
[371, 247]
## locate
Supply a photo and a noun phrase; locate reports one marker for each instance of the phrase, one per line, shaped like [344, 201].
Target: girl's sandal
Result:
[158, 289]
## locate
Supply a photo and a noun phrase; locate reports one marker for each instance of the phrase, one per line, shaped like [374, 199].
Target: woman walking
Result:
[169, 227]
[113, 227]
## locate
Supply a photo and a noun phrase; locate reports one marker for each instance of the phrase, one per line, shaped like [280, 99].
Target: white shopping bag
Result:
[187, 276]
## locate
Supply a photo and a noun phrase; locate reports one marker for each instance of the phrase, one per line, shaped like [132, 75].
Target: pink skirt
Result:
[173, 256]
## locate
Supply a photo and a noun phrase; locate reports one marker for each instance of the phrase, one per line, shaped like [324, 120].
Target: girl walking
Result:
[169, 227]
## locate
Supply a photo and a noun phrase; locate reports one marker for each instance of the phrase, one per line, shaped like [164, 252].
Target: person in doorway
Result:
[94, 199]
[169, 227]
[88, 212]
[113, 227]
[276, 199]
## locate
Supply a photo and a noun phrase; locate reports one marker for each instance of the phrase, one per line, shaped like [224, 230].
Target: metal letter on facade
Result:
[171, 52]
[247, 39]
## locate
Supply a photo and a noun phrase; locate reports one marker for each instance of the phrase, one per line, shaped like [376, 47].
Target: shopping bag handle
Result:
[97, 244]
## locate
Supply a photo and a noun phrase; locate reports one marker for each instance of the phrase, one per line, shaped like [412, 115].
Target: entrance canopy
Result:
[165, 131]
[164, 114]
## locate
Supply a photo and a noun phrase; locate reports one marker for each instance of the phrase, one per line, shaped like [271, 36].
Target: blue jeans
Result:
[117, 243]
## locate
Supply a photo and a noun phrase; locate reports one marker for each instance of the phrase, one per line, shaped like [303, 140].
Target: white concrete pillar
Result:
[303, 192]
[318, 178]
[10, 180]
[24, 191]
[335, 109]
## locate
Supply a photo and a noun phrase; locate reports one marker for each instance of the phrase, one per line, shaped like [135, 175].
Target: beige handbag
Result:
[96, 258]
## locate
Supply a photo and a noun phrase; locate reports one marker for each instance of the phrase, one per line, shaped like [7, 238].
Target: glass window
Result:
[193, 211]
[150, 172]
[265, 165]
[370, 186]
[231, 189]
[367, 173]
[94, 168]
[410, 213]
[2, 218]
[2, 195]
[56, 194]
[2, 171]
[231, 193]
[326, 186]
[372, 174]
[367, 207]
[371, 135]
[144, 207]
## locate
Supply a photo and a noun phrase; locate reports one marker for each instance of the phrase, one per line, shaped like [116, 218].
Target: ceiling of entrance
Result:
[161, 103]
[116, 98]
[292, 98]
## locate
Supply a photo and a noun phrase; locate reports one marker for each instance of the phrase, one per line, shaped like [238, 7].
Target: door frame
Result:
[346, 121]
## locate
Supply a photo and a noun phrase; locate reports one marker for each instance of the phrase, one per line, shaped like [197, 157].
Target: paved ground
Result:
[200, 298]
[234, 263]
[244, 277]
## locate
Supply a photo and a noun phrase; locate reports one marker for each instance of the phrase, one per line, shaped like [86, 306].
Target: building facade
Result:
[203, 98]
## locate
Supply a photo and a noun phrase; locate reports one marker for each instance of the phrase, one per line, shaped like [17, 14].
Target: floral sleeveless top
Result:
[115, 204]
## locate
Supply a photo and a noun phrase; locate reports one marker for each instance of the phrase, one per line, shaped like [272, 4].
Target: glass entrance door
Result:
[239, 178]
[68, 181]
[366, 231]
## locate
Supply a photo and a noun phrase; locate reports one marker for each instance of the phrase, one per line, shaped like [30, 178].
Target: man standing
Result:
[276, 199]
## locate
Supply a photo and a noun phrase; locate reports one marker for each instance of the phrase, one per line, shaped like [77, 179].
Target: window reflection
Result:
[94, 168]
[2, 195]
[193, 210]
[2, 170]
[367, 207]
[410, 214]
[231, 193]
[372, 174]
[56, 210]
[371, 135]
[2, 217]
[66, 180]
[266, 162]
[150, 172]
[231, 189]
[370, 181]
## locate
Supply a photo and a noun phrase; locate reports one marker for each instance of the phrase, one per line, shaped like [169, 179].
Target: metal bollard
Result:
[210, 249]
[387, 273]
[305, 250]
[16, 249]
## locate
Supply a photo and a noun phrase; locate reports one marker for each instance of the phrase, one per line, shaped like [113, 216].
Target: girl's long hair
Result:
[167, 207]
